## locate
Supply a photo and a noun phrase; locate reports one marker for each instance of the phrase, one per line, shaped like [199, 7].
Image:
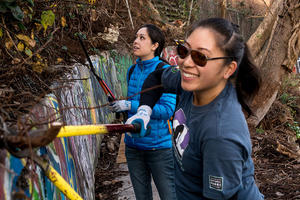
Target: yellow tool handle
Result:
[79, 130]
[61, 184]
[67, 131]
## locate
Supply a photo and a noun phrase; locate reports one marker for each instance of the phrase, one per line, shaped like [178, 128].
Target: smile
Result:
[189, 75]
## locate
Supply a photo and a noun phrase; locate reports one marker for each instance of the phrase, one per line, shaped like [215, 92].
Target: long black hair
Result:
[156, 35]
[248, 79]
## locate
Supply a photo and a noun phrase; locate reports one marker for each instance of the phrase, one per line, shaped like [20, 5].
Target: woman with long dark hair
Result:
[215, 81]
[151, 154]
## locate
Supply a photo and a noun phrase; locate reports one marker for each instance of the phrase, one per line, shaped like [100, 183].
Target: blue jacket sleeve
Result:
[134, 105]
[165, 107]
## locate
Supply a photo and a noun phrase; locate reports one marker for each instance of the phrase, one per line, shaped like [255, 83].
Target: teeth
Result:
[189, 75]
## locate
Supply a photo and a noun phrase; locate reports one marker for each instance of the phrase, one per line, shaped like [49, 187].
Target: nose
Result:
[187, 62]
[135, 40]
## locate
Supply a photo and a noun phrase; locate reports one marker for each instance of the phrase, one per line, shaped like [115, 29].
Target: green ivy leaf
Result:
[47, 18]
[64, 48]
[22, 27]
[16, 12]
[1, 33]
[28, 52]
[31, 10]
[31, 2]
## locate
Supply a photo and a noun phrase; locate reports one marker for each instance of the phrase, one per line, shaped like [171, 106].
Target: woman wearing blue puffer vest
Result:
[149, 155]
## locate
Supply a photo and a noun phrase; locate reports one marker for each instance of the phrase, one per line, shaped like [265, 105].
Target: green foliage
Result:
[284, 98]
[47, 19]
[30, 2]
[12, 7]
[81, 35]
[260, 130]
[295, 127]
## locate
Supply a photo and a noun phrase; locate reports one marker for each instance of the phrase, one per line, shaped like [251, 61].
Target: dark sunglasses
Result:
[198, 57]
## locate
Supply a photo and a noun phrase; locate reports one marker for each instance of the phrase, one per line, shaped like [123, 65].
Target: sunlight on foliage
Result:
[260, 130]
[28, 52]
[295, 127]
[92, 1]
[47, 19]
[63, 21]
[59, 60]
[27, 40]
[38, 67]
[20, 46]
[8, 44]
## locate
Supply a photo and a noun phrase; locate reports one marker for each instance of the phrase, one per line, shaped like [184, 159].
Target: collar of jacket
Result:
[147, 63]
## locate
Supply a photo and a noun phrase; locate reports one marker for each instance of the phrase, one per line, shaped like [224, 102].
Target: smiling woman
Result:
[211, 140]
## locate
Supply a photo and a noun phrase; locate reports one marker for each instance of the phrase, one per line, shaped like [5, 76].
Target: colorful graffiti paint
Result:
[74, 158]
[169, 53]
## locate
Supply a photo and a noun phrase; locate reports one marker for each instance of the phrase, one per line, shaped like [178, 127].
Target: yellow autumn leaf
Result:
[32, 34]
[38, 27]
[1, 33]
[8, 44]
[20, 46]
[63, 21]
[15, 61]
[92, 1]
[26, 39]
[39, 56]
[59, 60]
[39, 66]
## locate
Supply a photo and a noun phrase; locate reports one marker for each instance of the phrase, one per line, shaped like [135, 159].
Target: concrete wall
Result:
[73, 157]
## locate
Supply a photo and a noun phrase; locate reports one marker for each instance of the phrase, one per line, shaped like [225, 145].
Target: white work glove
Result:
[119, 106]
[142, 117]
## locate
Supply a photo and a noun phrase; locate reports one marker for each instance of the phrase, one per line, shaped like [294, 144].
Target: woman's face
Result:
[142, 45]
[209, 79]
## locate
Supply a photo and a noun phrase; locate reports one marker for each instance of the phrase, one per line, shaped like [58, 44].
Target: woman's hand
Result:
[142, 117]
[119, 106]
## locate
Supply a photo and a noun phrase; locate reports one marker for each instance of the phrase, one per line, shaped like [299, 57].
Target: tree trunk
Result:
[275, 45]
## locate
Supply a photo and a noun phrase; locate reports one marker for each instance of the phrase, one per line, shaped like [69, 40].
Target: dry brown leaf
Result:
[26, 39]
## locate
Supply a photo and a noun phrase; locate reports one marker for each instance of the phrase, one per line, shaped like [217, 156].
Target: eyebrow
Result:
[197, 48]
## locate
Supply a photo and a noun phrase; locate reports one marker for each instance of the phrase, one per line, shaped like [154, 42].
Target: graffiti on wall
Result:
[74, 158]
[169, 53]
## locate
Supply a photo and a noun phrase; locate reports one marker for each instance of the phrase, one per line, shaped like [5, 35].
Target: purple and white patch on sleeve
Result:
[181, 134]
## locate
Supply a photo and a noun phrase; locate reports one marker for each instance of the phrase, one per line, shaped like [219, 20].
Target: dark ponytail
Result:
[156, 35]
[232, 43]
[248, 80]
